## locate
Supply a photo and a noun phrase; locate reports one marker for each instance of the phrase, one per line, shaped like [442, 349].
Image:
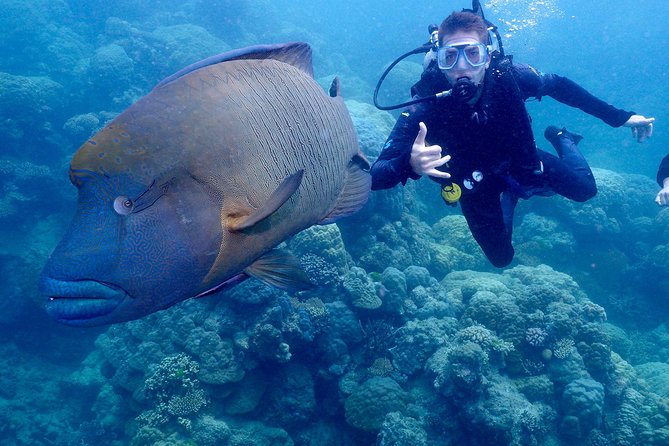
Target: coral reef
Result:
[409, 338]
[518, 358]
[367, 407]
[372, 126]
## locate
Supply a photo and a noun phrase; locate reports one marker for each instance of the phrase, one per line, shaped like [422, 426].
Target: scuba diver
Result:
[470, 104]
[662, 198]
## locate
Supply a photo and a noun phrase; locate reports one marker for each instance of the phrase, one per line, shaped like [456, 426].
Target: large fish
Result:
[189, 190]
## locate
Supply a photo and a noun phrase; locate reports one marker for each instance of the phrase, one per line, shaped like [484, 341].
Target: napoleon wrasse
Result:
[189, 190]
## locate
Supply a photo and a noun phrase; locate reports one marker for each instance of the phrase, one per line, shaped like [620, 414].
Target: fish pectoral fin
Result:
[280, 269]
[225, 285]
[355, 192]
[281, 194]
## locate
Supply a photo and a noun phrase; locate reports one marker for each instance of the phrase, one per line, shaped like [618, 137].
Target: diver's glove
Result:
[642, 127]
[424, 159]
[662, 198]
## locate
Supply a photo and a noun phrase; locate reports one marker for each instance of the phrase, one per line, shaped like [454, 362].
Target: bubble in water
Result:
[517, 15]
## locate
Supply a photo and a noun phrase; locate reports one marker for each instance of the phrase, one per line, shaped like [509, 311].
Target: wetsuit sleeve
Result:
[392, 165]
[663, 171]
[535, 84]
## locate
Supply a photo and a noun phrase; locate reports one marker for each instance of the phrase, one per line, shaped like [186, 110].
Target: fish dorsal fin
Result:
[335, 88]
[355, 192]
[297, 54]
[281, 194]
[280, 269]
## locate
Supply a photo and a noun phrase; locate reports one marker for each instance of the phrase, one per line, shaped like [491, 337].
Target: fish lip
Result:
[80, 301]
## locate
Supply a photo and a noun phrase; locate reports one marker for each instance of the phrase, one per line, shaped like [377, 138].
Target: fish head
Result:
[143, 237]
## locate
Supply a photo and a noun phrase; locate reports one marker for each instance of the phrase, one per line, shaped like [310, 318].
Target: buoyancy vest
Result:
[489, 141]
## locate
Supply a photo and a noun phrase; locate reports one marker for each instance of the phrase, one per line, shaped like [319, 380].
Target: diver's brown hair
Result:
[464, 21]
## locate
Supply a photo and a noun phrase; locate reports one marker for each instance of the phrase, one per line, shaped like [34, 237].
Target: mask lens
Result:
[448, 57]
[475, 54]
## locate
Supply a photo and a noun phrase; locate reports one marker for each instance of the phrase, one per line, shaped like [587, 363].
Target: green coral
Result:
[216, 357]
[417, 340]
[323, 241]
[497, 312]
[367, 407]
[485, 338]
[372, 126]
[459, 370]
[361, 290]
[401, 430]
[394, 291]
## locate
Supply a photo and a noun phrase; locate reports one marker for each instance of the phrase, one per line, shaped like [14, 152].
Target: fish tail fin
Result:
[355, 193]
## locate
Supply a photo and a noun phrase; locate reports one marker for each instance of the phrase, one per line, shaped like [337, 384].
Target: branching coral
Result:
[175, 391]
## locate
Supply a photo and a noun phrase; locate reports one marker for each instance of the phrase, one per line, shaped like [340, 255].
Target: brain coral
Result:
[372, 126]
[368, 405]
[583, 402]
[361, 290]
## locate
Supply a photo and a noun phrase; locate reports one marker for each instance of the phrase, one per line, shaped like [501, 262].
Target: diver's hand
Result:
[662, 198]
[642, 127]
[425, 159]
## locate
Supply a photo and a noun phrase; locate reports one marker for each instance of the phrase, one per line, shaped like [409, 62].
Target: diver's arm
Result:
[393, 164]
[570, 93]
[663, 171]
[662, 198]
[533, 83]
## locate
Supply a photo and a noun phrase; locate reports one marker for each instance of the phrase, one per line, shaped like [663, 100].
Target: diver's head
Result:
[464, 52]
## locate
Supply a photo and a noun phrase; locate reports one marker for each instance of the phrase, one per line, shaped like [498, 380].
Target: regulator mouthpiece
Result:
[464, 89]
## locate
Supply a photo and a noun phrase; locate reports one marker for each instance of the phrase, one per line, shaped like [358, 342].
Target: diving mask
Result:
[476, 54]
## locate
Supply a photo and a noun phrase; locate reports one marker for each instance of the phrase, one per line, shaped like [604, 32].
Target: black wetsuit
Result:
[663, 171]
[492, 141]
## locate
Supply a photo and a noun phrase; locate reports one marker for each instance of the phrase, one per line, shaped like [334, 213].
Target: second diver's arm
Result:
[662, 198]
[663, 171]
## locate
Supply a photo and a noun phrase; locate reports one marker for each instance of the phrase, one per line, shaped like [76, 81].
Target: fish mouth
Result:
[80, 302]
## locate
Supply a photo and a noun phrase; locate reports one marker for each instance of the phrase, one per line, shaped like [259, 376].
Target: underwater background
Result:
[411, 337]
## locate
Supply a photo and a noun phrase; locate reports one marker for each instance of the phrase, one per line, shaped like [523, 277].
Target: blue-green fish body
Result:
[189, 190]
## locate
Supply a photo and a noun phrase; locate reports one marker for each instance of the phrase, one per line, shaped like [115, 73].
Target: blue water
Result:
[411, 338]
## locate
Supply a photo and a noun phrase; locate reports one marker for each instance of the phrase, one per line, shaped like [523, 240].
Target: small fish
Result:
[189, 191]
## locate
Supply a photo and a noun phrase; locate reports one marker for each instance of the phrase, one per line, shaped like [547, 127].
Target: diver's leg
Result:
[508, 201]
[569, 175]
[483, 212]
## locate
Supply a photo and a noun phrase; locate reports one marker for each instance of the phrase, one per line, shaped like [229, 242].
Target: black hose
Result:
[421, 49]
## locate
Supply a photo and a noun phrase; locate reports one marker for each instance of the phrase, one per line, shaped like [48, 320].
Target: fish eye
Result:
[123, 205]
